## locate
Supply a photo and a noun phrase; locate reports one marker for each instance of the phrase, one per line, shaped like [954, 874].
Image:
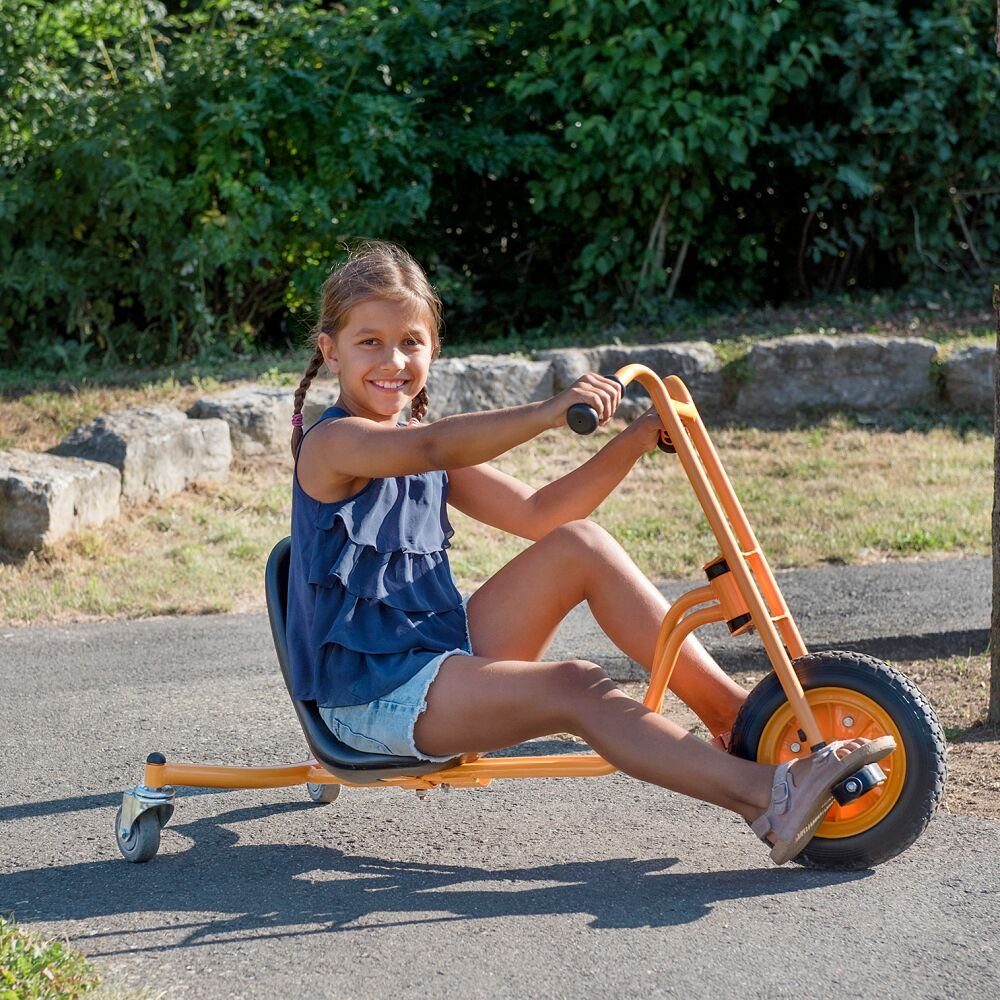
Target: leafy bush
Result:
[772, 147]
[186, 178]
[178, 177]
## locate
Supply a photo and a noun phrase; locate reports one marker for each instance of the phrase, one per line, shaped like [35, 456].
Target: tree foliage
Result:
[181, 175]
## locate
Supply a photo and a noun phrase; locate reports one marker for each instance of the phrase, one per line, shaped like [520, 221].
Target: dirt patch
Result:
[958, 690]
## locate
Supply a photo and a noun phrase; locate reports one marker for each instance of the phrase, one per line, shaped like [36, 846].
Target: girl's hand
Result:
[601, 394]
[645, 430]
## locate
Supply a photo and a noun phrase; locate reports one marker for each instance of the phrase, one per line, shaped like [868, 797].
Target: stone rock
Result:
[484, 382]
[259, 418]
[320, 396]
[813, 373]
[695, 362]
[157, 449]
[43, 497]
[568, 364]
[968, 379]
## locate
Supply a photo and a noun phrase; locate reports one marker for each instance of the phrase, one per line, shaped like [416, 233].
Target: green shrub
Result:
[177, 178]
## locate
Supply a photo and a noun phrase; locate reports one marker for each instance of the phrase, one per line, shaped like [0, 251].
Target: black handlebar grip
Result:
[583, 418]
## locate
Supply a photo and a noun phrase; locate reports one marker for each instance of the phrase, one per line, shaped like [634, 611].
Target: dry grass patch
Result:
[831, 493]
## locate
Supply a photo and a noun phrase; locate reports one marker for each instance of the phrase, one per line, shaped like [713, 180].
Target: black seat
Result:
[338, 758]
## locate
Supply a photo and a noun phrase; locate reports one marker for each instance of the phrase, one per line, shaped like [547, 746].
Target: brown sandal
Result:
[799, 802]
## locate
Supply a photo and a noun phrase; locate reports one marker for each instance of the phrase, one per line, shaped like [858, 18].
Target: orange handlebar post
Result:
[736, 539]
[659, 391]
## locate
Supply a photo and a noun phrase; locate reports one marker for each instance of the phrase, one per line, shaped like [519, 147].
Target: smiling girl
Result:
[379, 635]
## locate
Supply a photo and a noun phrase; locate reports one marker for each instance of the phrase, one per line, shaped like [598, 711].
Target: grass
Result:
[835, 492]
[33, 969]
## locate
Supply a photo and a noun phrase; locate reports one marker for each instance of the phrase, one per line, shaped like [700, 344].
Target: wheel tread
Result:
[919, 714]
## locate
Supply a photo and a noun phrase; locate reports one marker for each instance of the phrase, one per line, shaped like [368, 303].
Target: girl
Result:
[380, 637]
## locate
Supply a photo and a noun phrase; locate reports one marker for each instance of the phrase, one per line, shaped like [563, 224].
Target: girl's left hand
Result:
[645, 430]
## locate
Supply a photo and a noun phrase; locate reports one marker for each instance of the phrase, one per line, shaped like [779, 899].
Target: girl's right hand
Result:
[600, 393]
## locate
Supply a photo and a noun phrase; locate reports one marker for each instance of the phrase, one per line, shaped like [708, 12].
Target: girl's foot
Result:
[800, 793]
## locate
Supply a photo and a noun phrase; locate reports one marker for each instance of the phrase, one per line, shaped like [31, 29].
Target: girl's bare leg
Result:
[478, 704]
[515, 614]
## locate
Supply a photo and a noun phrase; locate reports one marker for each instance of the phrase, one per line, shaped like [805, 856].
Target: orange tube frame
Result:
[753, 579]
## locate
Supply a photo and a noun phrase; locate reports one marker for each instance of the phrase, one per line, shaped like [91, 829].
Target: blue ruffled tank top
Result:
[371, 596]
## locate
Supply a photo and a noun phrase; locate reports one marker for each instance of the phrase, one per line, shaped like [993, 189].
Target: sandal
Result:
[799, 801]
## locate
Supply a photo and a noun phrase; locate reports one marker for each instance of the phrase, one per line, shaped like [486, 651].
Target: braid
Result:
[418, 408]
[315, 363]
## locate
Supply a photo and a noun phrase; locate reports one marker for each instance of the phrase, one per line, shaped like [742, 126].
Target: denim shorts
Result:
[386, 724]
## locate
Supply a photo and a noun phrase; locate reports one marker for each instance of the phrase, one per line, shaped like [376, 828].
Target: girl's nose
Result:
[394, 358]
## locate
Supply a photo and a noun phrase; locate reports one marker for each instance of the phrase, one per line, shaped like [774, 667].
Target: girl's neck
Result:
[359, 411]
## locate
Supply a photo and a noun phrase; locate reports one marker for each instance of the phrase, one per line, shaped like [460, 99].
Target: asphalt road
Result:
[553, 888]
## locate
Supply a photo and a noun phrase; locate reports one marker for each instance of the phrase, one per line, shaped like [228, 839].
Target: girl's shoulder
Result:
[318, 486]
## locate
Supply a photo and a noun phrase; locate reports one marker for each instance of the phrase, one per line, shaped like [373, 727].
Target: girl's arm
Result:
[353, 447]
[493, 497]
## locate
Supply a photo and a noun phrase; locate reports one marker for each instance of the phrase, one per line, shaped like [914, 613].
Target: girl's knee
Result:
[583, 533]
[576, 680]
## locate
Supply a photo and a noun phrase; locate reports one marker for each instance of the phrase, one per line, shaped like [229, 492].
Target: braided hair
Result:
[373, 270]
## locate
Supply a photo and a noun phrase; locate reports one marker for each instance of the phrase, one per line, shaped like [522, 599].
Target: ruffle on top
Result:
[371, 594]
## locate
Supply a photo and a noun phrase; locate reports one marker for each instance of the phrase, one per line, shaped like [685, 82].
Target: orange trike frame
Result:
[741, 591]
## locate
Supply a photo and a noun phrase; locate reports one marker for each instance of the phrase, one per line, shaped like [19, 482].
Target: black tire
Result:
[143, 840]
[322, 793]
[923, 747]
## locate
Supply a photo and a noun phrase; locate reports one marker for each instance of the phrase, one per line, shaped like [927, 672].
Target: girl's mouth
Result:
[390, 385]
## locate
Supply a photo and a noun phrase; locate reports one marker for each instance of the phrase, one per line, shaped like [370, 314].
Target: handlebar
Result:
[583, 419]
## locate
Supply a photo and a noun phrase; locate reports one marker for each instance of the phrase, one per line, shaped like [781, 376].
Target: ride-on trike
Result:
[807, 700]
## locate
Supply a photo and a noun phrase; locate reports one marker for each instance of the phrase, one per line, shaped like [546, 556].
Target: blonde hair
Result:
[373, 270]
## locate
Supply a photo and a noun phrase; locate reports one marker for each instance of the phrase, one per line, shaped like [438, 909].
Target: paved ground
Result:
[551, 888]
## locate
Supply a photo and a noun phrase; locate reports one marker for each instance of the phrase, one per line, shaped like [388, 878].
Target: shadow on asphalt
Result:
[258, 891]
[263, 891]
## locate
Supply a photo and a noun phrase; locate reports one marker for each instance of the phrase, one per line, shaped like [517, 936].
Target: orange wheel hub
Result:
[841, 714]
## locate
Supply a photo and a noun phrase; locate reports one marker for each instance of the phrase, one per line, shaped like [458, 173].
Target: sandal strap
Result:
[780, 794]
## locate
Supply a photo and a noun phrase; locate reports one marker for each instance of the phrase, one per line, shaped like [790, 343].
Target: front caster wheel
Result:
[323, 793]
[143, 840]
[852, 695]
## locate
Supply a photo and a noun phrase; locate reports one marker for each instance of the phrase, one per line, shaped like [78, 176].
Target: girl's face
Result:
[382, 356]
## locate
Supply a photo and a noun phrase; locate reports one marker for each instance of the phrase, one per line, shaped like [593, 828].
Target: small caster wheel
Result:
[143, 840]
[322, 793]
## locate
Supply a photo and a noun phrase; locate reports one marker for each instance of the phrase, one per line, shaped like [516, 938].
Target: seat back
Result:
[335, 756]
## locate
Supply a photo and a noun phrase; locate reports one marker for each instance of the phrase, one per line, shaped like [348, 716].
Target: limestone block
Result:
[968, 379]
[259, 418]
[320, 396]
[43, 497]
[568, 364]
[157, 449]
[858, 373]
[485, 382]
[695, 362]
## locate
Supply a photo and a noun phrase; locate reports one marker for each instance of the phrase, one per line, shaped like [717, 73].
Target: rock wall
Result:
[139, 454]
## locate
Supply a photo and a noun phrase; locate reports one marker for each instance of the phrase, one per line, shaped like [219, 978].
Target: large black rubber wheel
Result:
[143, 840]
[870, 832]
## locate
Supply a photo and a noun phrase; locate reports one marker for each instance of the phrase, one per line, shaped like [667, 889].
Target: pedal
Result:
[857, 784]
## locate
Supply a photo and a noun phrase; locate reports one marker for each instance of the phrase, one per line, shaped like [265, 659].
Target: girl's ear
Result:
[327, 346]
